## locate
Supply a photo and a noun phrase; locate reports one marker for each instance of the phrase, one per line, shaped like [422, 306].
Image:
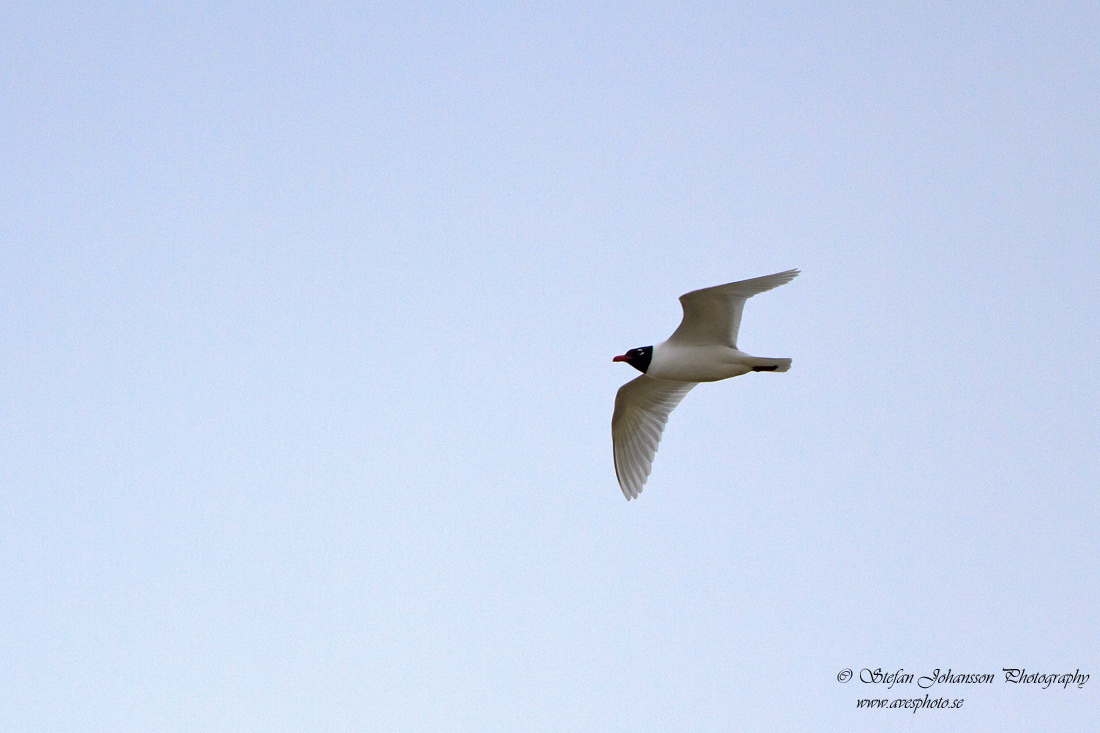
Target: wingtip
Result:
[782, 278]
[628, 492]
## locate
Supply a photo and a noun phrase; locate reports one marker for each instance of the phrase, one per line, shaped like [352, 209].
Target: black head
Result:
[638, 358]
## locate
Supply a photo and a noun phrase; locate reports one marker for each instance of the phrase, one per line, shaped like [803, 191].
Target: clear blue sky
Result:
[306, 323]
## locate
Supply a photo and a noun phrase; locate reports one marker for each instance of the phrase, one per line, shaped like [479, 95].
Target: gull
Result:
[702, 349]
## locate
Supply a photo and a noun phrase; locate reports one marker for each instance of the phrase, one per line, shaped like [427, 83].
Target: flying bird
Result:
[702, 349]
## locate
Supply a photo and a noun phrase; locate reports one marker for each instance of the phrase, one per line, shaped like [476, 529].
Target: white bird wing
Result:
[713, 315]
[642, 407]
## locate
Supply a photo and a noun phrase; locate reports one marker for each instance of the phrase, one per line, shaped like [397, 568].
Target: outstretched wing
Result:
[713, 315]
[641, 410]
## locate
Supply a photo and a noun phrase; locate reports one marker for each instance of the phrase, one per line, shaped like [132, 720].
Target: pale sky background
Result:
[305, 364]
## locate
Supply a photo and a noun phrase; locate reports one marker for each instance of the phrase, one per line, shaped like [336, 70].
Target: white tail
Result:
[769, 365]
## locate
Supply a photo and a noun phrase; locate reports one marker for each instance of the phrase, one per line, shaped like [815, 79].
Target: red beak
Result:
[624, 357]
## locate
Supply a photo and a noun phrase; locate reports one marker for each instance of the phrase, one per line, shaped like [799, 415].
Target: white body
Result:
[705, 363]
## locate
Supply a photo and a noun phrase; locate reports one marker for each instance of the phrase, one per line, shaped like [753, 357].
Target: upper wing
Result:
[641, 410]
[713, 315]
